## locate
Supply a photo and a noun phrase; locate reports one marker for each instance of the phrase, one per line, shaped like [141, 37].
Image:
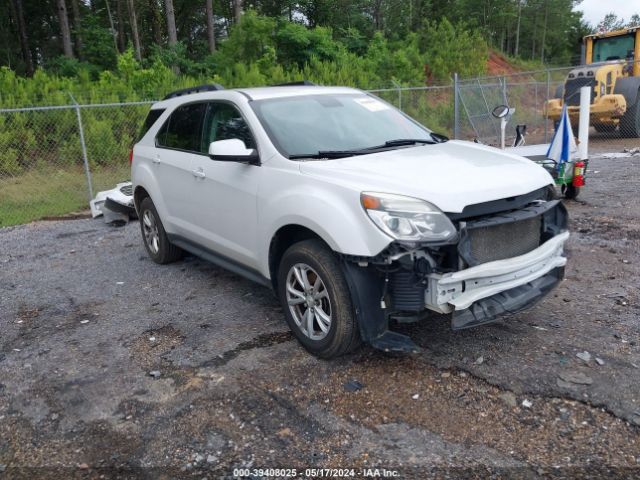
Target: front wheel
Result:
[315, 297]
[630, 122]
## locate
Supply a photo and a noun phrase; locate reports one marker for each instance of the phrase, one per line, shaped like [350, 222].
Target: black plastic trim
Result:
[501, 205]
[211, 87]
[554, 220]
[298, 83]
[220, 260]
[511, 301]
[366, 291]
[119, 207]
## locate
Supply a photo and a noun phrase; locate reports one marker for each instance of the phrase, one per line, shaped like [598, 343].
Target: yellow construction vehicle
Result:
[612, 70]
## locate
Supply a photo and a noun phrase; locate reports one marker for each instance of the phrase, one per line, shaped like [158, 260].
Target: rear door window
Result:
[183, 129]
[152, 116]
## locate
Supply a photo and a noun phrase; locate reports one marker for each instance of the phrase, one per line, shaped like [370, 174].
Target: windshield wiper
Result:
[327, 154]
[400, 142]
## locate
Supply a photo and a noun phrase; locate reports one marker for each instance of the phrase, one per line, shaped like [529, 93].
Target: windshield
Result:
[306, 125]
[613, 48]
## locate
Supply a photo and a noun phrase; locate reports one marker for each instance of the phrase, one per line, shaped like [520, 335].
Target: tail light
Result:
[131, 156]
[578, 174]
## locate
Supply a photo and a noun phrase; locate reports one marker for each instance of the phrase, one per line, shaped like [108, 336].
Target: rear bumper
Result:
[460, 290]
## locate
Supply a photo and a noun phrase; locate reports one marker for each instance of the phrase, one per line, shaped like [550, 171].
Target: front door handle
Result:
[198, 173]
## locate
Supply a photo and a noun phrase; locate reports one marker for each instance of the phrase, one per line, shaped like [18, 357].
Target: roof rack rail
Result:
[297, 83]
[211, 87]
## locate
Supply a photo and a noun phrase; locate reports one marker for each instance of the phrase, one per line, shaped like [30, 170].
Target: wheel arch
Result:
[139, 194]
[281, 240]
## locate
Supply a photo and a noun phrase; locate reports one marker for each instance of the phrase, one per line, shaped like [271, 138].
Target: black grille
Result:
[127, 190]
[506, 240]
[573, 86]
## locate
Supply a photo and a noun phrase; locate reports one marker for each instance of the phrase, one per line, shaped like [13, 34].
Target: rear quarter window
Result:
[152, 116]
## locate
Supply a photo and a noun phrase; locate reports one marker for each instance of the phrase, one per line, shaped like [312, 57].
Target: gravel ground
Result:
[112, 366]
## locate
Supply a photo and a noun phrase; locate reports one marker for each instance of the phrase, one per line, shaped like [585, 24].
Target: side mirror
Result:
[500, 111]
[233, 150]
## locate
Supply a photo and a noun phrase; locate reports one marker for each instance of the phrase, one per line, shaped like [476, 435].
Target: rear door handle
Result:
[198, 173]
[156, 160]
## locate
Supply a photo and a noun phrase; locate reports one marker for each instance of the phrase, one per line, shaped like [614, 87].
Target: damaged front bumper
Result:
[503, 262]
[458, 291]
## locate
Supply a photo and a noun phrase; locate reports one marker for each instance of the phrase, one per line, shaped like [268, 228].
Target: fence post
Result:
[399, 88]
[85, 160]
[456, 118]
[546, 120]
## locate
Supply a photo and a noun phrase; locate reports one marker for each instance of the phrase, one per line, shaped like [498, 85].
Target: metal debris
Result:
[586, 356]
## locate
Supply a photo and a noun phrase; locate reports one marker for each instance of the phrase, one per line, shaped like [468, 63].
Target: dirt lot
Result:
[85, 317]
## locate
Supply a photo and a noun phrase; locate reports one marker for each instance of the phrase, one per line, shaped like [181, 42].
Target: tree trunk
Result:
[237, 10]
[134, 29]
[113, 28]
[377, 14]
[533, 37]
[75, 10]
[156, 27]
[171, 23]
[544, 31]
[24, 38]
[515, 52]
[210, 31]
[122, 40]
[65, 32]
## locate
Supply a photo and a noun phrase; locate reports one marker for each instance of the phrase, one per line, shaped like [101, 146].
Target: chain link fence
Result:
[538, 97]
[54, 159]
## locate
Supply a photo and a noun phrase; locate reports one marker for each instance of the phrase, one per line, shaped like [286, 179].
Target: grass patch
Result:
[48, 192]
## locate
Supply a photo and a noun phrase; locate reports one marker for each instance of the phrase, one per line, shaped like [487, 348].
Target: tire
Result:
[570, 192]
[630, 122]
[154, 237]
[314, 261]
[600, 128]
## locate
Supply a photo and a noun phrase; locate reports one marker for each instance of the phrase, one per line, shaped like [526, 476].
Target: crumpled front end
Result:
[510, 260]
[508, 254]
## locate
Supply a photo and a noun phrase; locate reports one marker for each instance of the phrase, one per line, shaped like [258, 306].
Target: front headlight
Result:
[407, 218]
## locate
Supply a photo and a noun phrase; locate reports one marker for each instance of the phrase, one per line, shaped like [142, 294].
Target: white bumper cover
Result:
[459, 290]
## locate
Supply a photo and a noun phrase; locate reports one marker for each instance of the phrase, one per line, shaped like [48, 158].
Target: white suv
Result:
[355, 214]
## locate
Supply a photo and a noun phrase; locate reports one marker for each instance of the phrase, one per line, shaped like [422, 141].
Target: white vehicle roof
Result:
[259, 93]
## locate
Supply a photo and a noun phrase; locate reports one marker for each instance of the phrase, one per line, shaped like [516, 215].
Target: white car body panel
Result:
[449, 175]
[235, 209]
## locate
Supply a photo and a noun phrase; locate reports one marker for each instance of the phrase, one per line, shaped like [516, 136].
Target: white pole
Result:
[583, 127]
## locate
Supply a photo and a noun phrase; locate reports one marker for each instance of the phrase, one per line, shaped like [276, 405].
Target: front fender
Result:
[332, 212]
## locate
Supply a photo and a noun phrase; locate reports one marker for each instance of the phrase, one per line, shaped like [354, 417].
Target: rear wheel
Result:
[630, 122]
[156, 242]
[316, 300]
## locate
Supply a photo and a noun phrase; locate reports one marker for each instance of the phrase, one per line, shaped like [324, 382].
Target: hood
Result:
[450, 175]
